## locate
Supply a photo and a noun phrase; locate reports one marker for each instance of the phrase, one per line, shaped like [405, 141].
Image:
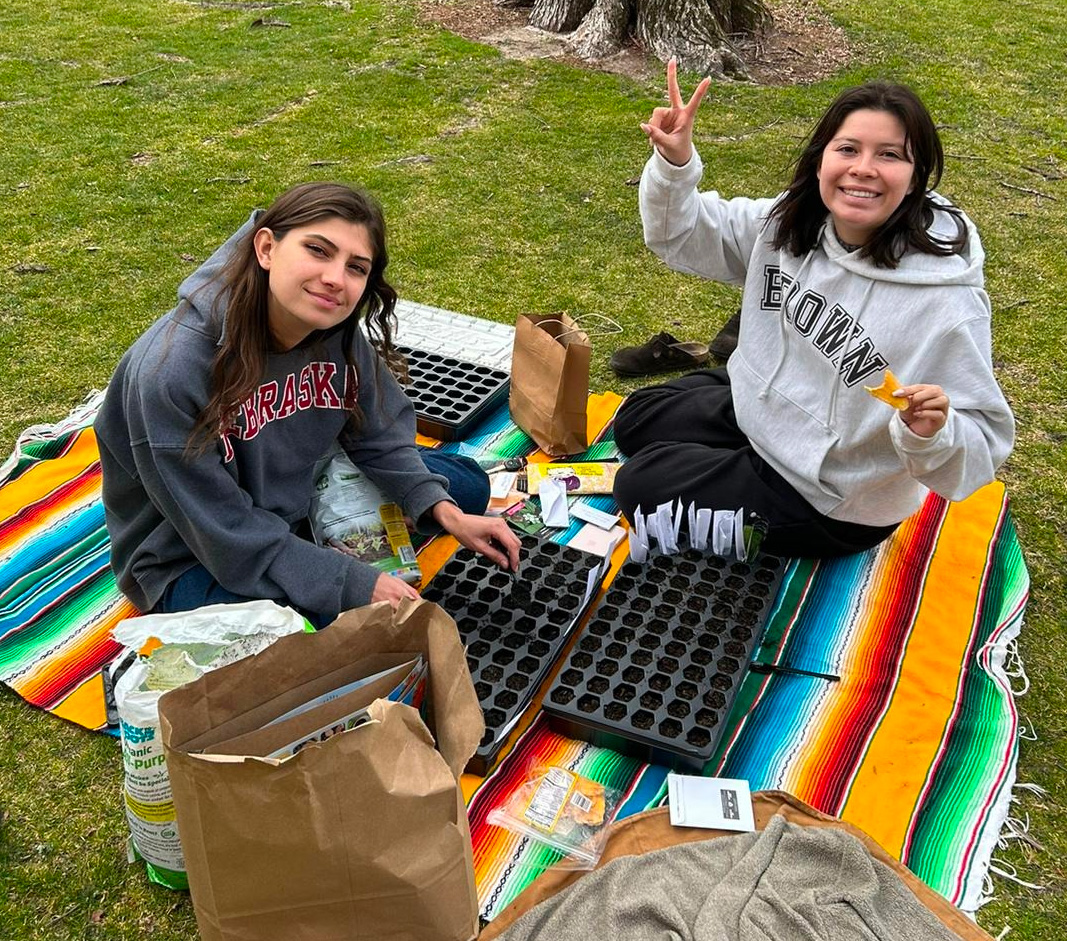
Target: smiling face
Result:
[317, 274]
[864, 174]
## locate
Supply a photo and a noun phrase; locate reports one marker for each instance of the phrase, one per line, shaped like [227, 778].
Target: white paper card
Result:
[739, 535]
[665, 529]
[500, 485]
[553, 495]
[703, 527]
[590, 514]
[638, 553]
[722, 532]
[641, 528]
[712, 803]
[591, 538]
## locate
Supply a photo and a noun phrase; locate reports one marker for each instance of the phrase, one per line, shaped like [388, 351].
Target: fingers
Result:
[392, 589]
[924, 400]
[698, 95]
[511, 545]
[674, 93]
[501, 546]
[656, 137]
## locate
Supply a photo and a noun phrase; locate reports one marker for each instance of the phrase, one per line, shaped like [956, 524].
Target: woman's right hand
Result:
[671, 129]
[392, 589]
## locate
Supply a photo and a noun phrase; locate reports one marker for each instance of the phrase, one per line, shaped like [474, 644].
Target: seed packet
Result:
[585, 477]
[568, 812]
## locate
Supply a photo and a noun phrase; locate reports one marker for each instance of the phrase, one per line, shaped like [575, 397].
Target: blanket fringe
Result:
[79, 417]
[1014, 829]
[1014, 668]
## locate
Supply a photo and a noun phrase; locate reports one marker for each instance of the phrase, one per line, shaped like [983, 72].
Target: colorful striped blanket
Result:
[915, 742]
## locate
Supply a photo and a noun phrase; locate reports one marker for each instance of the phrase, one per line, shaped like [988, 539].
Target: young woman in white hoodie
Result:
[856, 268]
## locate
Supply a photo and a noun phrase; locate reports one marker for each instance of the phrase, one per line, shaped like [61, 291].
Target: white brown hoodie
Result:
[816, 328]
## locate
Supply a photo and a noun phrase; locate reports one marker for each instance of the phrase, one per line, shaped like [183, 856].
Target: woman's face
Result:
[865, 173]
[317, 274]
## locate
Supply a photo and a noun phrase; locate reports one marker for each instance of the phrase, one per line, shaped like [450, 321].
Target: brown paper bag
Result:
[361, 836]
[550, 382]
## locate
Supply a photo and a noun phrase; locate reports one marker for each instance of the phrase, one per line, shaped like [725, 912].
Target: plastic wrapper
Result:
[568, 812]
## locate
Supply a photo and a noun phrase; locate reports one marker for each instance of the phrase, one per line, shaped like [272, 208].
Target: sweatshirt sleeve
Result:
[385, 447]
[698, 233]
[249, 550]
[978, 435]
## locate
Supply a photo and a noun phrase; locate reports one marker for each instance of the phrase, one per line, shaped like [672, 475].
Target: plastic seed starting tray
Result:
[450, 395]
[655, 672]
[514, 629]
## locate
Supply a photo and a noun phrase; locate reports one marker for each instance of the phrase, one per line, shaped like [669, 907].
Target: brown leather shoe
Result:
[725, 341]
[662, 353]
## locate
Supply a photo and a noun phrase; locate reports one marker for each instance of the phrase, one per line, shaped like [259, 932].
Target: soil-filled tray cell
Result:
[513, 641]
[450, 395]
[656, 671]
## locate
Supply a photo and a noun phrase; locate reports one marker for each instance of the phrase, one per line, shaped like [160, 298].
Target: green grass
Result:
[519, 202]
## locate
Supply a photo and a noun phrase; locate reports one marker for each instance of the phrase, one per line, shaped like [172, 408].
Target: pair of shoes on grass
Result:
[663, 353]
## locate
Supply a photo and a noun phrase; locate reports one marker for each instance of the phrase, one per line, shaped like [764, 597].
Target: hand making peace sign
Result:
[671, 129]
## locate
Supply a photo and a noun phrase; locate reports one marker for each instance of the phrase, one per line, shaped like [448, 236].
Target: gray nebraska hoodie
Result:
[815, 329]
[236, 507]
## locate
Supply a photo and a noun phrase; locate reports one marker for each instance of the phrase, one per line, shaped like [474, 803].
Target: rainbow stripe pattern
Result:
[914, 741]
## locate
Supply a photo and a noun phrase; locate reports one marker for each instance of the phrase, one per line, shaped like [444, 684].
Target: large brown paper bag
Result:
[361, 836]
[550, 382]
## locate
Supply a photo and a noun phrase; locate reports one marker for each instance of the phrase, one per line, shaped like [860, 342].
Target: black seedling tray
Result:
[450, 395]
[514, 629]
[656, 670]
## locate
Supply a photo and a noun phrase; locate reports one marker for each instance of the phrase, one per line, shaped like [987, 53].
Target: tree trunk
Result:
[696, 32]
[603, 31]
[693, 31]
[559, 16]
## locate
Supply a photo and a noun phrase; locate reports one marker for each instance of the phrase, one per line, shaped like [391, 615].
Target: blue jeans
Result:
[467, 485]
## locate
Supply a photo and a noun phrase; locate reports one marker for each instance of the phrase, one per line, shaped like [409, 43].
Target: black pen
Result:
[768, 668]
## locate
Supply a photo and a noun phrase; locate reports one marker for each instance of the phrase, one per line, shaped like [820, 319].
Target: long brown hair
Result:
[800, 211]
[241, 358]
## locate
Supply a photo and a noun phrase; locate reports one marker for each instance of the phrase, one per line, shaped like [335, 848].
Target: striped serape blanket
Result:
[915, 743]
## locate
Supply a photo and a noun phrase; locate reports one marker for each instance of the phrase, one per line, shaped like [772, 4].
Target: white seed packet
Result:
[711, 803]
[553, 495]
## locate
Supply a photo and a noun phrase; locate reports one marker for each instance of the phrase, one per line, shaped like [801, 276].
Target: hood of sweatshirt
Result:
[917, 268]
[198, 295]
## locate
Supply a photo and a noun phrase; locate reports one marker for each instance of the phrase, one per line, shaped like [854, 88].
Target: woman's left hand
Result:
[927, 409]
[487, 535]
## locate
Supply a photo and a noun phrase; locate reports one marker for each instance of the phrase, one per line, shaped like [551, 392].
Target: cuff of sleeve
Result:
[910, 443]
[359, 585]
[663, 171]
[419, 501]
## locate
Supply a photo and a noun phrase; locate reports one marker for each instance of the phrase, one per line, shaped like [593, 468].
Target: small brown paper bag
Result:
[550, 382]
[361, 836]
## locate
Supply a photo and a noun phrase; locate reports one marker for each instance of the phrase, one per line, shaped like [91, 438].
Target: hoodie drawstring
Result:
[783, 334]
[849, 334]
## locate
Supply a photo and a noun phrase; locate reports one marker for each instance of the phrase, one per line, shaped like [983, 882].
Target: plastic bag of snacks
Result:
[568, 812]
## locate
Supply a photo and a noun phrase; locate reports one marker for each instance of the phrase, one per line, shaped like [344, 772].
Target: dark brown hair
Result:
[800, 211]
[241, 358]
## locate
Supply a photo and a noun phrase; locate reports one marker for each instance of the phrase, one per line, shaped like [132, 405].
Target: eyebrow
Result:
[856, 140]
[322, 238]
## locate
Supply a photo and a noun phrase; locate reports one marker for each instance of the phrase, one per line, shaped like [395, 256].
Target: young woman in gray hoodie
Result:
[216, 417]
[858, 267]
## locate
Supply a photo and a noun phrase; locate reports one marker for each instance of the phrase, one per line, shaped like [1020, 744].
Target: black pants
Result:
[683, 442]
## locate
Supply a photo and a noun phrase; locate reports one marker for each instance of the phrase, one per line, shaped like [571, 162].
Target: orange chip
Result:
[594, 793]
[884, 392]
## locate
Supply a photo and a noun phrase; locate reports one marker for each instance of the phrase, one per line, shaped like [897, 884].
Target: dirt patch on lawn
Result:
[801, 46]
